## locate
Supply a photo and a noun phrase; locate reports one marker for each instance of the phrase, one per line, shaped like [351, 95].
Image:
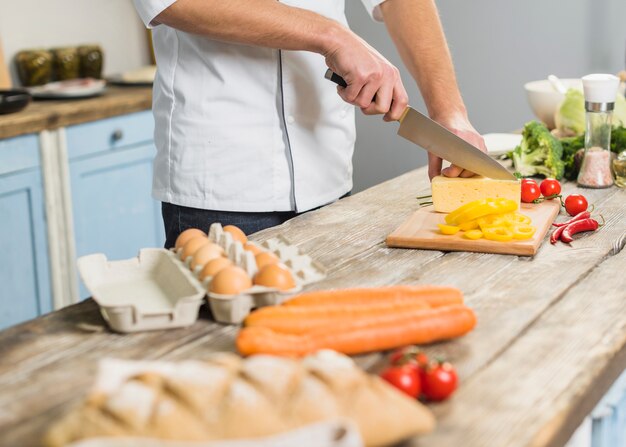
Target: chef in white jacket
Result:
[248, 131]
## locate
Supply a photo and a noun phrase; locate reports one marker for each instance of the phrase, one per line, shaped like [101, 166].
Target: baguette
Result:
[230, 398]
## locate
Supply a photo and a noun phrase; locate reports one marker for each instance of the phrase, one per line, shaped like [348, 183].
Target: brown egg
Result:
[192, 245]
[237, 234]
[275, 275]
[205, 254]
[264, 258]
[214, 266]
[230, 281]
[187, 235]
[253, 248]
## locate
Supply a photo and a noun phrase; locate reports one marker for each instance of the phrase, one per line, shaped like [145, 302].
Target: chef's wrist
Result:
[331, 37]
[451, 117]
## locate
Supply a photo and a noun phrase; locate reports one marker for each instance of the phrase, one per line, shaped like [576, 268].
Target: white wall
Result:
[113, 24]
[497, 46]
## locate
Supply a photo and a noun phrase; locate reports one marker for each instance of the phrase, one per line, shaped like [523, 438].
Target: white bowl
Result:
[545, 101]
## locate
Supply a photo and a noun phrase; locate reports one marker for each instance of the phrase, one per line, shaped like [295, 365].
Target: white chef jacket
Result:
[245, 128]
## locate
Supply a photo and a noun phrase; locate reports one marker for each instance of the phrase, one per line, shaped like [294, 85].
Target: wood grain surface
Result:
[52, 114]
[421, 231]
[550, 340]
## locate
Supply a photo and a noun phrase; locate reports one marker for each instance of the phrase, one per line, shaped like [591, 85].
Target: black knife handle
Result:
[334, 77]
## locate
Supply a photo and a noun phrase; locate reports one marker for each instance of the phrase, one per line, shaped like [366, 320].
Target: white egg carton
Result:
[152, 291]
[234, 308]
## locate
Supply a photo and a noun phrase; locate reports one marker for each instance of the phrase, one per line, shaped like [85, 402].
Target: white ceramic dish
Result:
[501, 143]
[545, 101]
[73, 88]
[152, 291]
[143, 76]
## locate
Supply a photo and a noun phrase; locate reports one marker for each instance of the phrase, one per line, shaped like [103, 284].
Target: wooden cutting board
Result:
[421, 231]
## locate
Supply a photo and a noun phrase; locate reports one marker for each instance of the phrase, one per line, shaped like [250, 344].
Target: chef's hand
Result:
[461, 126]
[368, 75]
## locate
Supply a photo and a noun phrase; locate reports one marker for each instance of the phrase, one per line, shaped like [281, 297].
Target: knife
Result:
[436, 139]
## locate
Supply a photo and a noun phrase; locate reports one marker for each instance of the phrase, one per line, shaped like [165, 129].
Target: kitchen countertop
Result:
[52, 114]
[550, 340]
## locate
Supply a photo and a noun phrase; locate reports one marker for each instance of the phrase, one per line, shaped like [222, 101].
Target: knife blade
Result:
[436, 139]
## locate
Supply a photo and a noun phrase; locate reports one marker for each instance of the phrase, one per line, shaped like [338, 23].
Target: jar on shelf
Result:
[66, 63]
[91, 61]
[34, 67]
[600, 93]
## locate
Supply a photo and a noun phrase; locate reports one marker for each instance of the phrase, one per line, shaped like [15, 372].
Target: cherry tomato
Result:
[575, 203]
[550, 187]
[439, 381]
[530, 190]
[405, 378]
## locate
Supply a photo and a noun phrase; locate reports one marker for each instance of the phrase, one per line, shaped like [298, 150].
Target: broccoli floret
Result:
[539, 153]
[571, 145]
[618, 139]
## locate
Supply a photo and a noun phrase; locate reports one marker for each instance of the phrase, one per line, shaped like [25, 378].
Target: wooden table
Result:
[52, 114]
[551, 336]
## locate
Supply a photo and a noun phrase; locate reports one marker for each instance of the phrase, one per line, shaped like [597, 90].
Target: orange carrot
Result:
[435, 296]
[302, 319]
[359, 336]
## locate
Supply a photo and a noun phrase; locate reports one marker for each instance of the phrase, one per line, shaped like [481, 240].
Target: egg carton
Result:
[151, 291]
[233, 309]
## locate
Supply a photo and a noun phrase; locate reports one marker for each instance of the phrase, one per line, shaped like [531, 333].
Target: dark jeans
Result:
[178, 218]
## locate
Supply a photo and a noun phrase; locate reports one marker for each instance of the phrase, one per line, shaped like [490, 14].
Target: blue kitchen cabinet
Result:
[111, 177]
[24, 271]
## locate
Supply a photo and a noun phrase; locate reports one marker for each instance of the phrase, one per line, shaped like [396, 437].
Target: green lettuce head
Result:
[570, 117]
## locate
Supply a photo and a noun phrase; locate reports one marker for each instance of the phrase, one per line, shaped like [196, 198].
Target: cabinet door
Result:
[114, 212]
[24, 274]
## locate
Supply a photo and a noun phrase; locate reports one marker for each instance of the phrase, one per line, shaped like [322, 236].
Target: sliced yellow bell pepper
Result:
[501, 234]
[471, 225]
[523, 231]
[493, 220]
[518, 218]
[473, 234]
[451, 217]
[480, 208]
[448, 229]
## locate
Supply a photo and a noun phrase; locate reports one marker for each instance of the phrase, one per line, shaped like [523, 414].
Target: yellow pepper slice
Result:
[448, 229]
[523, 231]
[501, 234]
[471, 225]
[473, 234]
[493, 220]
[518, 218]
[460, 210]
[480, 208]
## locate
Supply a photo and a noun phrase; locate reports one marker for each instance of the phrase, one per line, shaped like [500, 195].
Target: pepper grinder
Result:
[600, 93]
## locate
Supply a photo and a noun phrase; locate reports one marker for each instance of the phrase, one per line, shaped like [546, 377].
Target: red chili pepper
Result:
[556, 234]
[577, 227]
[579, 216]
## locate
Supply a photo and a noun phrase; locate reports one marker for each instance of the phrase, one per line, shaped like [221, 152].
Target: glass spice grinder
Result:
[600, 93]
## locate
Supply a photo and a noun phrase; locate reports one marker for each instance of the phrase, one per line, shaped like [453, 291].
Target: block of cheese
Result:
[450, 193]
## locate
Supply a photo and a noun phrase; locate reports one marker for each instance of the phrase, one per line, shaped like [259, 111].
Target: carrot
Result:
[302, 319]
[359, 336]
[435, 296]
